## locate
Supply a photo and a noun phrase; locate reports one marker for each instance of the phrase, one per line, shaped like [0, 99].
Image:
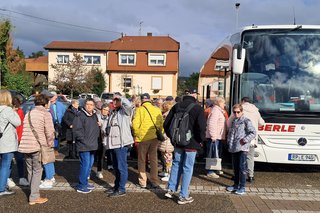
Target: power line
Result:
[59, 22]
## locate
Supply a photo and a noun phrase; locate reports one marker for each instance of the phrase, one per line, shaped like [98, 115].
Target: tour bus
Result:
[278, 68]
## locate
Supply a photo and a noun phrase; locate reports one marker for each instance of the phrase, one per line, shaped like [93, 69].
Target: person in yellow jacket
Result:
[145, 119]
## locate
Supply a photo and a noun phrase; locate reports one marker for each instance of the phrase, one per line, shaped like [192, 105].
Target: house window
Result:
[221, 65]
[156, 82]
[127, 58]
[126, 82]
[62, 59]
[220, 88]
[157, 59]
[89, 59]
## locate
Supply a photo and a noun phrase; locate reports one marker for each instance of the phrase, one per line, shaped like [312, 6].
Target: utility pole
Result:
[237, 15]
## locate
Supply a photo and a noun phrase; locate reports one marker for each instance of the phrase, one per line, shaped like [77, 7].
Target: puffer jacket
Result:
[86, 131]
[142, 125]
[42, 122]
[241, 128]
[9, 139]
[118, 132]
[68, 118]
[252, 112]
[216, 124]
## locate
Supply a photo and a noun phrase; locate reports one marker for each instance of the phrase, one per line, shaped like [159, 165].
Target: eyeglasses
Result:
[236, 112]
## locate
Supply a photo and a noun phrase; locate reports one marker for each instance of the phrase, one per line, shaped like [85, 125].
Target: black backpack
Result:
[179, 127]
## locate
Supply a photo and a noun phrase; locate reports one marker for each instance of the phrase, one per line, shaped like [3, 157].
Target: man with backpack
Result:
[185, 125]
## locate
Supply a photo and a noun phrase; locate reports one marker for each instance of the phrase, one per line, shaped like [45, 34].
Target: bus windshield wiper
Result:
[284, 31]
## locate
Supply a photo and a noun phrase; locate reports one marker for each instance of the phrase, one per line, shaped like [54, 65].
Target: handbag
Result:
[159, 134]
[213, 163]
[46, 153]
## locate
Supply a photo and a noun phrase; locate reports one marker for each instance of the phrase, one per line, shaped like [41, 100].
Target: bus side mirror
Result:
[238, 57]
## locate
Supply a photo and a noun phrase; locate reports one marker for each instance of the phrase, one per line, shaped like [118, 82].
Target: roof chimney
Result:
[149, 34]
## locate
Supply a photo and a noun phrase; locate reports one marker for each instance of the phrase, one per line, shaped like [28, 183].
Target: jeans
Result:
[86, 163]
[182, 166]
[5, 169]
[214, 150]
[120, 167]
[20, 160]
[239, 160]
[49, 170]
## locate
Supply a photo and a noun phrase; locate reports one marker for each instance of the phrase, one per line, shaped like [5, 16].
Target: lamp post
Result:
[237, 14]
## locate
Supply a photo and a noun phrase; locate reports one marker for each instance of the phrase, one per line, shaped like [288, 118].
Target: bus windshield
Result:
[282, 70]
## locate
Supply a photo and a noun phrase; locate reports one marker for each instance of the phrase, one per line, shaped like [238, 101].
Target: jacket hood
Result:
[250, 108]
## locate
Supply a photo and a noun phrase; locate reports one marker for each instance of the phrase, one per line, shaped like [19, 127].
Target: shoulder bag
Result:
[46, 153]
[213, 163]
[159, 134]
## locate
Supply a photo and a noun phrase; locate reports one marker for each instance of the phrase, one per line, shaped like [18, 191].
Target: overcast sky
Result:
[199, 25]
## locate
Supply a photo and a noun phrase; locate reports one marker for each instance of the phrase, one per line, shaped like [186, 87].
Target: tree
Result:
[36, 54]
[190, 83]
[5, 28]
[71, 77]
[98, 82]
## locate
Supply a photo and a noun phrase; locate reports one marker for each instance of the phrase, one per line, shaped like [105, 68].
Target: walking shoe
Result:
[240, 191]
[6, 193]
[165, 179]
[91, 186]
[183, 200]
[162, 174]
[220, 172]
[250, 179]
[232, 188]
[10, 183]
[40, 200]
[141, 186]
[46, 184]
[110, 190]
[99, 175]
[153, 186]
[169, 194]
[110, 167]
[213, 175]
[84, 190]
[23, 182]
[117, 194]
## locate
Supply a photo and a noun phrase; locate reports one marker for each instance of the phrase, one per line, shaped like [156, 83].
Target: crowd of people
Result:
[168, 130]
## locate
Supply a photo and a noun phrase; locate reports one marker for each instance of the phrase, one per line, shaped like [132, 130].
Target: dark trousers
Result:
[100, 157]
[73, 153]
[239, 160]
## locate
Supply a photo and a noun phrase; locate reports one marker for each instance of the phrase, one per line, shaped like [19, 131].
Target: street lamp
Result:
[237, 14]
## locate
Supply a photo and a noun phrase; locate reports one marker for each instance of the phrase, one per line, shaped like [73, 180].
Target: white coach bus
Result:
[278, 68]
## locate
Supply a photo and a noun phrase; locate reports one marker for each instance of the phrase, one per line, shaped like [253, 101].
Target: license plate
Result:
[302, 157]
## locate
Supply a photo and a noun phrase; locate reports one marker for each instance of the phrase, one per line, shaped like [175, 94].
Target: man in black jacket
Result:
[184, 156]
[86, 132]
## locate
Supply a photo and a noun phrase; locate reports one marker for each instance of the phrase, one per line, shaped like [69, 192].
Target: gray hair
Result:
[218, 100]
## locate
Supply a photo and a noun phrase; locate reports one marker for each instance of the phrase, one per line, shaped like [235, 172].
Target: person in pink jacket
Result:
[215, 133]
[41, 121]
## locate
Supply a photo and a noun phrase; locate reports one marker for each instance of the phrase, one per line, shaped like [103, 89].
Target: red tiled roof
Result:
[145, 43]
[77, 45]
[39, 64]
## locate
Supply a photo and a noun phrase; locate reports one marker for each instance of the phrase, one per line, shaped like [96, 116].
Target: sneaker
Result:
[153, 186]
[10, 183]
[53, 180]
[141, 186]
[169, 194]
[183, 200]
[46, 184]
[117, 194]
[220, 172]
[232, 188]
[40, 200]
[99, 175]
[84, 190]
[162, 174]
[23, 182]
[240, 191]
[165, 179]
[110, 167]
[110, 190]
[213, 175]
[91, 186]
[6, 193]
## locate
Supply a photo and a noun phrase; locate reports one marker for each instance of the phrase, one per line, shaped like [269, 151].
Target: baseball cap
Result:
[47, 93]
[145, 96]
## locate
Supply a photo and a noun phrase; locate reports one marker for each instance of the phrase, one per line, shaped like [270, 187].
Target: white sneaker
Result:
[46, 184]
[53, 180]
[23, 182]
[220, 172]
[10, 183]
[110, 167]
[99, 175]
[165, 179]
[213, 175]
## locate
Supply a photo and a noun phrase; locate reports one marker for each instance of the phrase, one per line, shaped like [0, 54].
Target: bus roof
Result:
[256, 27]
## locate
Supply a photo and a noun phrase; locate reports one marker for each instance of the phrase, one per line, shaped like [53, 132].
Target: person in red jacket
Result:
[17, 155]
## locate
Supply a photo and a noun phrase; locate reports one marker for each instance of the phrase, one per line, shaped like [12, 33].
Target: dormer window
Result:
[157, 59]
[127, 59]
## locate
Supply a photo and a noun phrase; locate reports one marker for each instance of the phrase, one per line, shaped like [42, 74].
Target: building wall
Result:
[52, 59]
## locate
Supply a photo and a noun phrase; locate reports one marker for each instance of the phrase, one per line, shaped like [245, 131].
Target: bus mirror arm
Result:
[238, 58]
